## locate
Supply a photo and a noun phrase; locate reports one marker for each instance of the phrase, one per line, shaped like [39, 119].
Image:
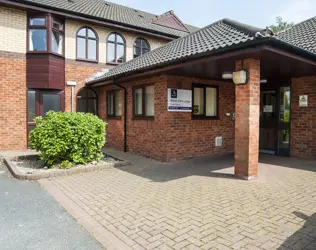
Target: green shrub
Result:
[74, 137]
[66, 164]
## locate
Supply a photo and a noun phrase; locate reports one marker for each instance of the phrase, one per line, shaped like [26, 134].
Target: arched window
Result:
[87, 44]
[141, 46]
[87, 101]
[115, 49]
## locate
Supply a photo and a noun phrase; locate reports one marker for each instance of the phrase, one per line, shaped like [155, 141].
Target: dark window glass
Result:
[92, 106]
[87, 101]
[31, 105]
[39, 103]
[51, 102]
[87, 44]
[115, 49]
[110, 104]
[141, 46]
[114, 103]
[37, 39]
[205, 101]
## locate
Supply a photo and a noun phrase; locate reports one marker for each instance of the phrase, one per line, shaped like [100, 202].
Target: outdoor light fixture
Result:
[263, 80]
[240, 77]
[227, 75]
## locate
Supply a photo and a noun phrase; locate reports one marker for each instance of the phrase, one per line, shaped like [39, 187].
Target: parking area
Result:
[32, 219]
[194, 204]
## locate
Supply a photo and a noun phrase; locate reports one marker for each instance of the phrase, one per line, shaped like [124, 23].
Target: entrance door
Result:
[268, 122]
[274, 136]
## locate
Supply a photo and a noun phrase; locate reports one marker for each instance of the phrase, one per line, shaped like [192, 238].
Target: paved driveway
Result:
[195, 204]
[31, 219]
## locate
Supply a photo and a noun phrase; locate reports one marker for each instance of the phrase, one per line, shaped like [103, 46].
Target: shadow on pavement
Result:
[304, 238]
[219, 166]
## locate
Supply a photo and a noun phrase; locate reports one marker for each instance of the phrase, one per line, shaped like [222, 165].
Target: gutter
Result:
[125, 111]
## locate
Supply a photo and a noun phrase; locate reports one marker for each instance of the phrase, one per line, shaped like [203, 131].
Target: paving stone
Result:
[152, 205]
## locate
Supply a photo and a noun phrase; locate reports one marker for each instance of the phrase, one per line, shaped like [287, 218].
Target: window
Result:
[87, 101]
[141, 46]
[38, 34]
[205, 101]
[57, 37]
[40, 102]
[115, 49]
[87, 44]
[144, 101]
[114, 103]
[43, 29]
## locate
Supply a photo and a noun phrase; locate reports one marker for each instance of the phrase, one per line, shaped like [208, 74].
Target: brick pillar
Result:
[247, 121]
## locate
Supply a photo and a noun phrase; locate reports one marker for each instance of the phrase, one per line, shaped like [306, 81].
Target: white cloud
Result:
[297, 11]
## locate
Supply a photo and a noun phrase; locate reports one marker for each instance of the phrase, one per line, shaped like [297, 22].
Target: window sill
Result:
[205, 118]
[143, 118]
[114, 117]
[87, 60]
[45, 52]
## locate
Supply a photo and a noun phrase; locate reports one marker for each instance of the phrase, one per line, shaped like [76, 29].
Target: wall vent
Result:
[218, 141]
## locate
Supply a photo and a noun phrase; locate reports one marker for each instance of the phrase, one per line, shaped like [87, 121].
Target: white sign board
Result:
[268, 109]
[179, 100]
[303, 100]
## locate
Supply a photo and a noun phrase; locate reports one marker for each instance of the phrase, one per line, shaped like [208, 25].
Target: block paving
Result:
[195, 204]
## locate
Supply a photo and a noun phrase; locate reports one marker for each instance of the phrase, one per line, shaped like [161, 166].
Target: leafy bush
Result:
[73, 137]
[66, 164]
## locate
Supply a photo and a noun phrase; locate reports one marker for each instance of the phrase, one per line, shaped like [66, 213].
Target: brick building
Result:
[167, 90]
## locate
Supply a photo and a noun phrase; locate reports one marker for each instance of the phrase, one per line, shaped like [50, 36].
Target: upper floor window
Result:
[115, 49]
[38, 34]
[87, 44]
[141, 46]
[45, 33]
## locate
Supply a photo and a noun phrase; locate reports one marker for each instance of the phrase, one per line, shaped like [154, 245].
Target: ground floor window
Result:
[114, 103]
[39, 102]
[205, 101]
[144, 101]
[87, 101]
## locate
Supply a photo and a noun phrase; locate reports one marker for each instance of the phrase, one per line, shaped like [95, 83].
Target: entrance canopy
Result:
[223, 46]
[214, 49]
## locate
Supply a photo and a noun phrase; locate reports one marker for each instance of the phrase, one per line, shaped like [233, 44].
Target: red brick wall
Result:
[247, 121]
[13, 101]
[78, 72]
[303, 119]
[189, 138]
[144, 137]
[172, 135]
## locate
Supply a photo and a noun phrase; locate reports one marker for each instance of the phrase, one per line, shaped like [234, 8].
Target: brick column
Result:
[247, 121]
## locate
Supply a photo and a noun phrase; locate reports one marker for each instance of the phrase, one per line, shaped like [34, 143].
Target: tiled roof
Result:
[101, 9]
[216, 36]
[302, 35]
[220, 35]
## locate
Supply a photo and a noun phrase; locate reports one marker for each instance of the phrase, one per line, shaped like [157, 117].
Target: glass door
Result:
[284, 121]
[268, 122]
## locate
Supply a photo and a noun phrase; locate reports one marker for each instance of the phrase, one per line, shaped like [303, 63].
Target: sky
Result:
[259, 13]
